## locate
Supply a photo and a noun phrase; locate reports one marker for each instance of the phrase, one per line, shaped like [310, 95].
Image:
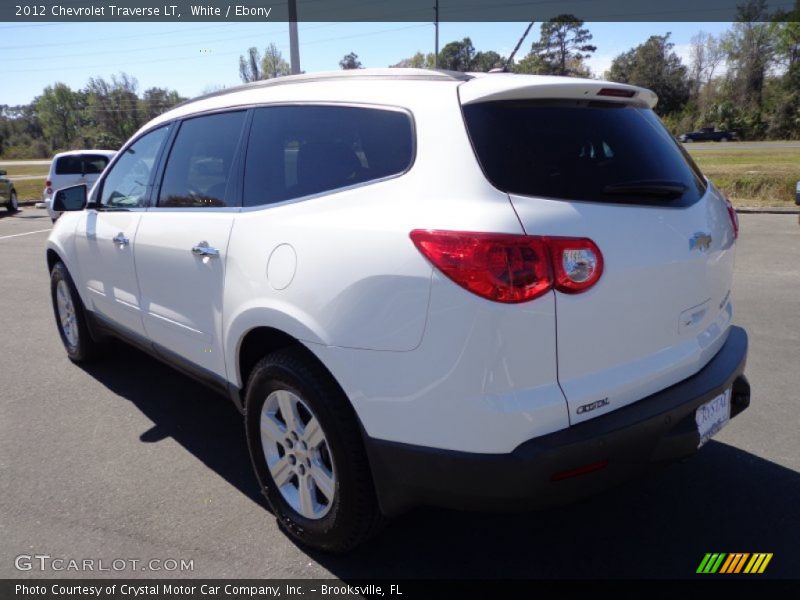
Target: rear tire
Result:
[71, 317]
[13, 205]
[326, 498]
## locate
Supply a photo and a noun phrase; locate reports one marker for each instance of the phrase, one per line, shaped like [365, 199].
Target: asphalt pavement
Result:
[129, 460]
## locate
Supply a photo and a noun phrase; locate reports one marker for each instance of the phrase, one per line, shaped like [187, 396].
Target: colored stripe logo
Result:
[734, 563]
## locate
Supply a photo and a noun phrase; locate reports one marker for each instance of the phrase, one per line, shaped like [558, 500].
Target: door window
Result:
[198, 171]
[127, 184]
[296, 151]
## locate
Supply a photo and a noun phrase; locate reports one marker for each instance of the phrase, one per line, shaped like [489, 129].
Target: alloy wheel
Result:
[297, 454]
[66, 313]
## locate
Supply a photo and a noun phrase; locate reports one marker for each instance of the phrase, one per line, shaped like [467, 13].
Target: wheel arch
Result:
[52, 258]
[263, 340]
[57, 251]
[255, 344]
[265, 327]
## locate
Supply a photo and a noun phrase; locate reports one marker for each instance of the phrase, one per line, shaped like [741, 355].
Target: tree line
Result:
[745, 80]
[103, 114]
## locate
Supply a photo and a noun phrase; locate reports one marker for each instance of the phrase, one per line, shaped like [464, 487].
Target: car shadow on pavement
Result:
[23, 214]
[721, 500]
[213, 431]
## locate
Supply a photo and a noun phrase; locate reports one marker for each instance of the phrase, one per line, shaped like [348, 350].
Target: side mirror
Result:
[2, 173]
[70, 199]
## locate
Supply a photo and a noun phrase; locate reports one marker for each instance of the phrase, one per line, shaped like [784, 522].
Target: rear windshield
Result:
[81, 164]
[582, 150]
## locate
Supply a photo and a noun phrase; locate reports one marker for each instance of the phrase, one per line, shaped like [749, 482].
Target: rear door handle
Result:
[203, 249]
[120, 239]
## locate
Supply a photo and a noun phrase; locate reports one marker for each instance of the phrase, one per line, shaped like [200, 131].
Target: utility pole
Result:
[436, 43]
[294, 50]
[519, 43]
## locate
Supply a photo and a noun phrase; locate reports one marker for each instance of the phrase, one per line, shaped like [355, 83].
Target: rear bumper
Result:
[614, 447]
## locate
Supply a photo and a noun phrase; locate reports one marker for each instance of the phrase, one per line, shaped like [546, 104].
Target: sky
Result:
[193, 58]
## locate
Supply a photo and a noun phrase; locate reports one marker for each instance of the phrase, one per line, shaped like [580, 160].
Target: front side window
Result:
[296, 151]
[126, 185]
[199, 167]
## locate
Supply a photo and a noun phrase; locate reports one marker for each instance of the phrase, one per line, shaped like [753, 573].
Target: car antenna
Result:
[504, 68]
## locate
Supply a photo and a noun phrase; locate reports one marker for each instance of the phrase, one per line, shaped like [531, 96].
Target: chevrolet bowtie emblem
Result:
[700, 241]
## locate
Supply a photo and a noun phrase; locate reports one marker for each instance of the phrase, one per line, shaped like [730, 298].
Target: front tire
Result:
[71, 316]
[308, 454]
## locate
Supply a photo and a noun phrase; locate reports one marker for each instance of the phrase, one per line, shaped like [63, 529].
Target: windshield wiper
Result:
[646, 187]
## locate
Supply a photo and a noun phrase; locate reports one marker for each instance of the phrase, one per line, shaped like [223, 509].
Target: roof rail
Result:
[391, 73]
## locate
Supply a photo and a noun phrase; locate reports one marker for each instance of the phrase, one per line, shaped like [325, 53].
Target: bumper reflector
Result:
[577, 472]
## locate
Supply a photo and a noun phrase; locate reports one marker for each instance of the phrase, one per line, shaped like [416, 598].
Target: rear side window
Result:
[580, 150]
[198, 171]
[81, 164]
[296, 151]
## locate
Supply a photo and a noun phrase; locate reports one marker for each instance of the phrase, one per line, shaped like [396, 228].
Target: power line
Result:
[185, 58]
[26, 25]
[107, 39]
[129, 50]
[172, 31]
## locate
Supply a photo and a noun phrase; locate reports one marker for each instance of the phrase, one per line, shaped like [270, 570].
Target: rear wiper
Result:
[646, 187]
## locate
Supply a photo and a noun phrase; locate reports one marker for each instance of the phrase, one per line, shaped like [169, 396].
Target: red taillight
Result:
[617, 92]
[577, 264]
[500, 267]
[511, 268]
[732, 215]
[49, 185]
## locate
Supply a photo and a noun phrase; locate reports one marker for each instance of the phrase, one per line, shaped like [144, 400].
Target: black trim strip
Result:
[100, 326]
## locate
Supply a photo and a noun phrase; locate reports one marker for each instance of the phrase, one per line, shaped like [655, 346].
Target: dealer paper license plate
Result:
[713, 416]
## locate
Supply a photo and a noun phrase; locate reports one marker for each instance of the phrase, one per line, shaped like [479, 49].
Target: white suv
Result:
[496, 291]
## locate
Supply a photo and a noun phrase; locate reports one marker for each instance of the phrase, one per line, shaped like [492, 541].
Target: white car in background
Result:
[77, 167]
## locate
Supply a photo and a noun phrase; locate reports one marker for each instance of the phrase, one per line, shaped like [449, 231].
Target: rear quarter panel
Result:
[422, 360]
[358, 280]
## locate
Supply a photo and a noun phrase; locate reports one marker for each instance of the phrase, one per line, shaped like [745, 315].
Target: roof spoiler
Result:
[501, 86]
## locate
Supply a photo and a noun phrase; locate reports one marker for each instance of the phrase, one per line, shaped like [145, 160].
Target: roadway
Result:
[128, 459]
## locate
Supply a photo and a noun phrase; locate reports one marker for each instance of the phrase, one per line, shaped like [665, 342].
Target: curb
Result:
[769, 210]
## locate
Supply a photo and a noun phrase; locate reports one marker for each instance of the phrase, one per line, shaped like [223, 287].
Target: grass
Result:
[19, 170]
[29, 189]
[762, 176]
